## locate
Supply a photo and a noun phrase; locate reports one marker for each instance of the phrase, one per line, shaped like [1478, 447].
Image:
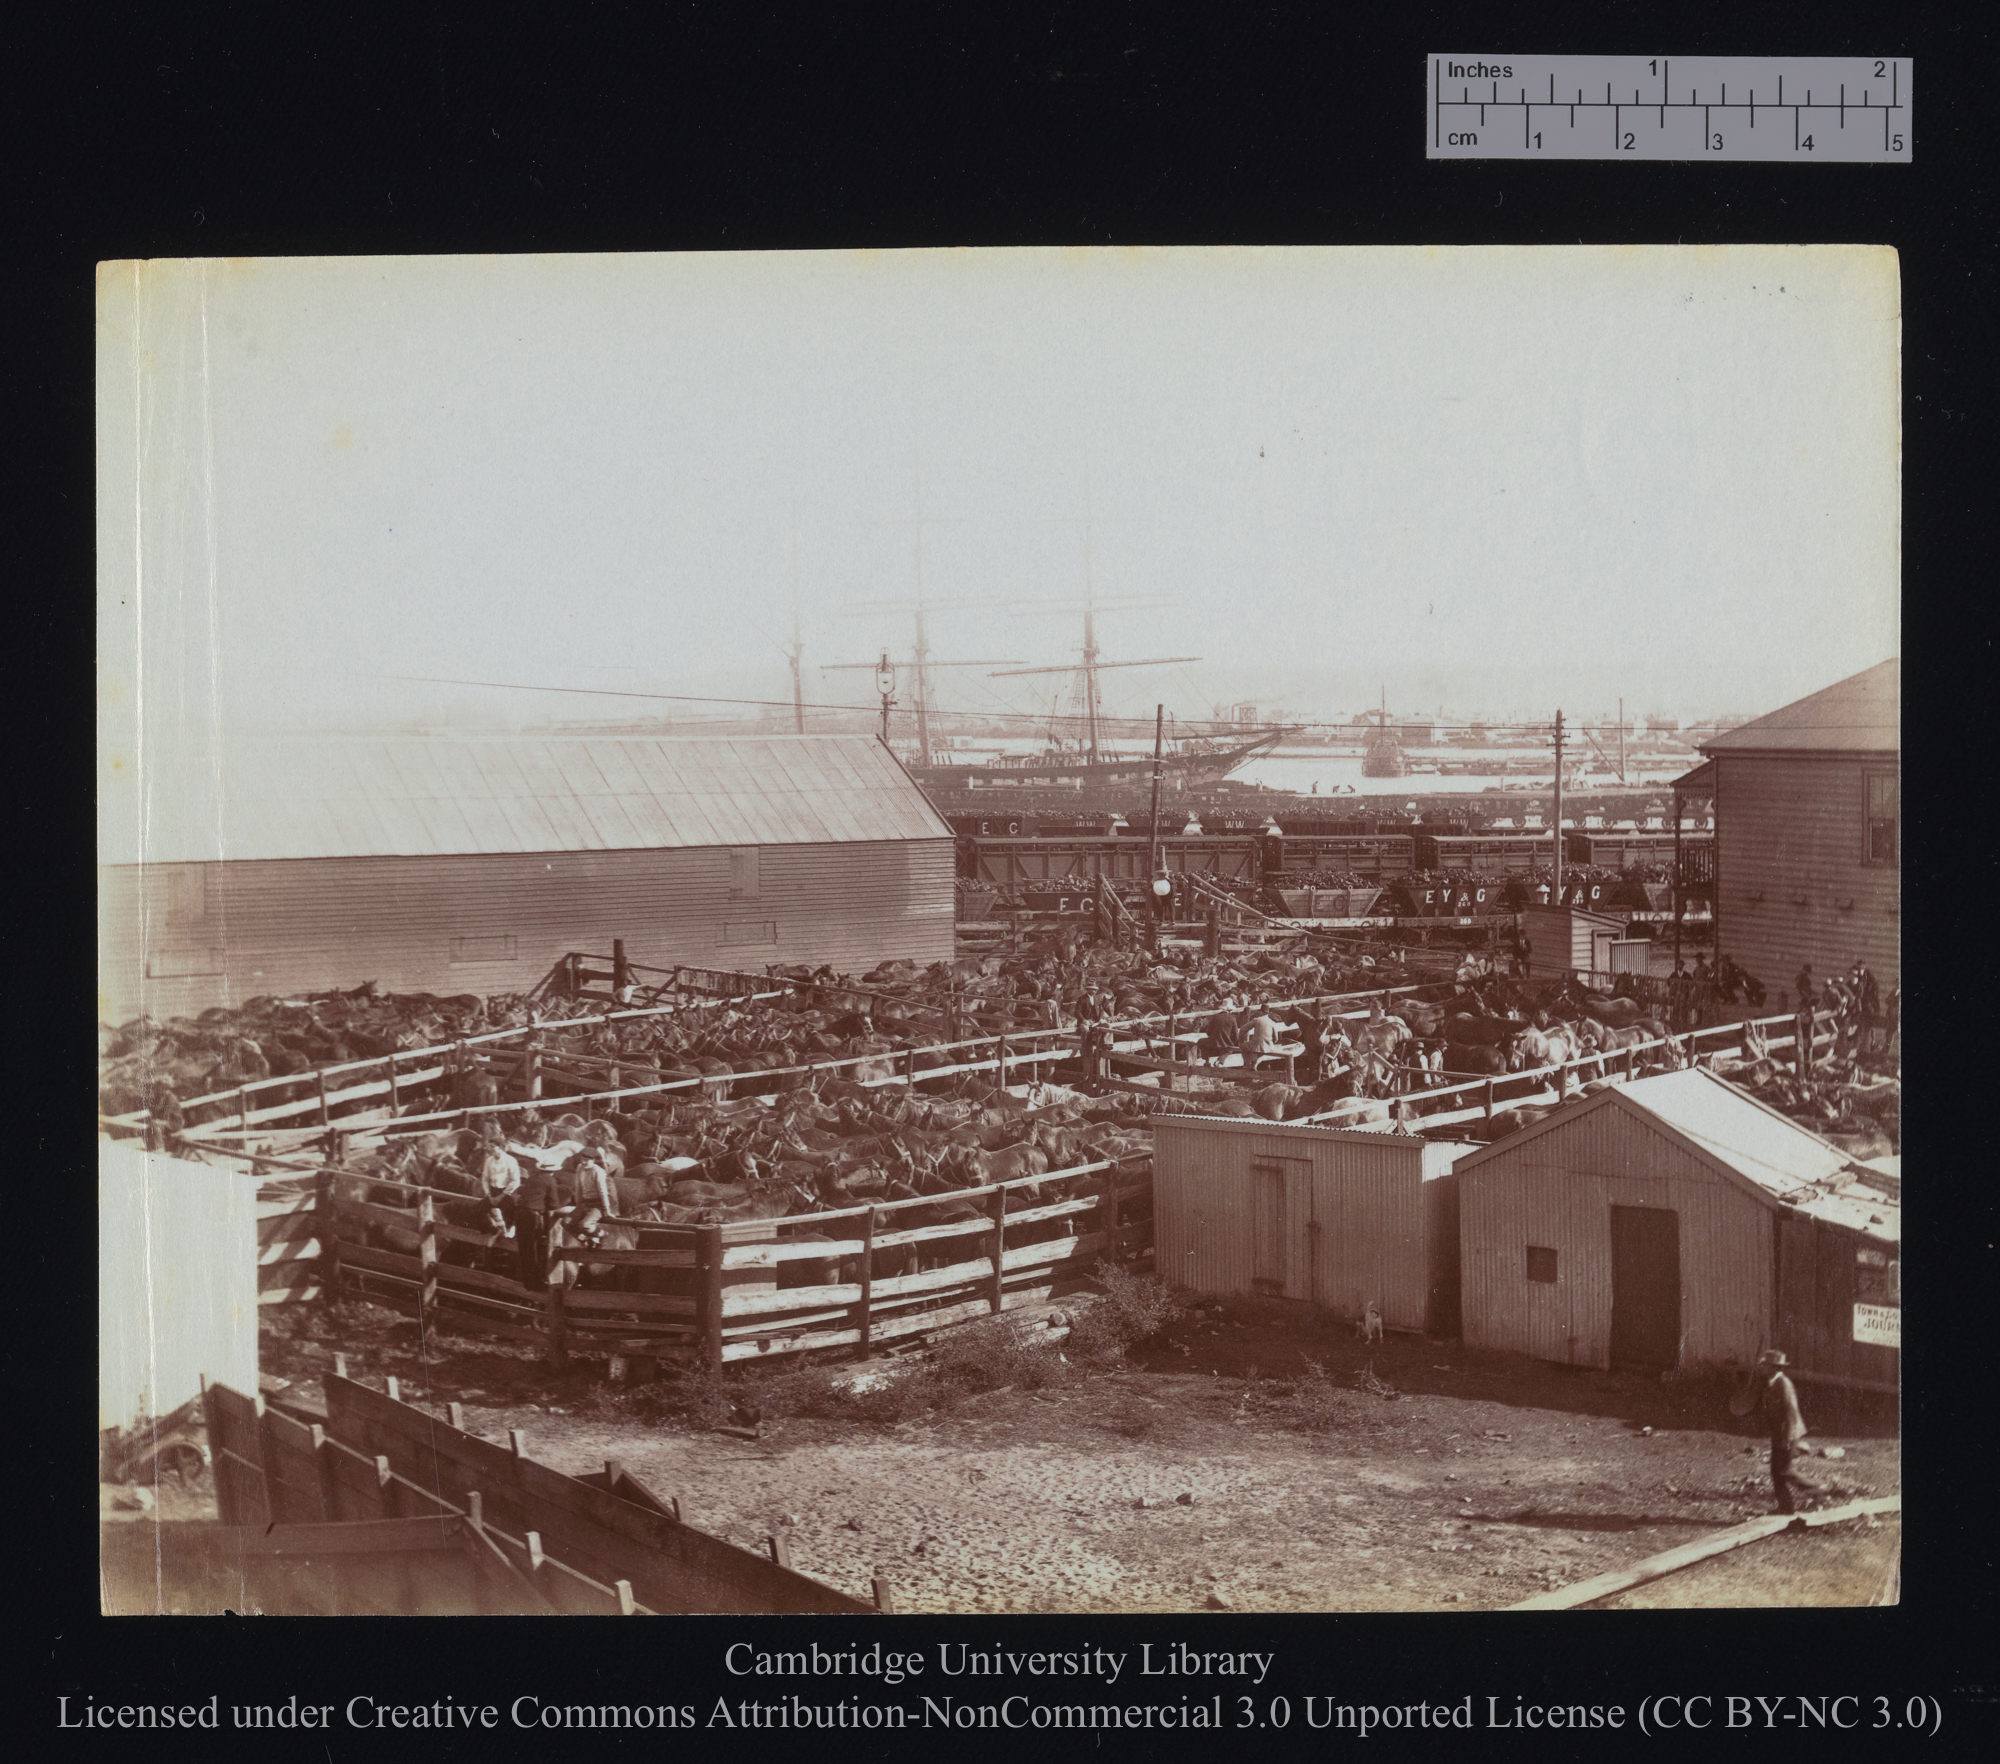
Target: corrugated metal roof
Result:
[415, 797]
[1732, 1129]
[1861, 714]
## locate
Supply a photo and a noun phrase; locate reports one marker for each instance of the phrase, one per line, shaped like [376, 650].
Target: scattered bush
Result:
[1311, 1402]
[987, 1356]
[1133, 1308]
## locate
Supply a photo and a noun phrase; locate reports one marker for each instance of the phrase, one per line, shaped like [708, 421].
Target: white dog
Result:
[1370, 1326]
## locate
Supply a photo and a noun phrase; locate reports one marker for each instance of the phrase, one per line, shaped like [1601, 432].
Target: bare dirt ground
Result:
[1186, 1479]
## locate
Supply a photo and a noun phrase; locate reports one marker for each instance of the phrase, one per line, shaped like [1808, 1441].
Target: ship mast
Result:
[920, 658]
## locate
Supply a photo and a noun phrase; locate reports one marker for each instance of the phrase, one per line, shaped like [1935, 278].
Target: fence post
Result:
[1489, 1098]
[1003, 1062]
[999, 1246]
[531, 1065]
[867, 1280]
[708, 1306]
[552, 1304]
[427, 1253]
[325, 1113]
[909, 1069]
[325, 1225]
[1107, 1209]
[395, 1100]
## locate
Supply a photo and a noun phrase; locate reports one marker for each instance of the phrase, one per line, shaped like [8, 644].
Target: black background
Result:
[246, 130]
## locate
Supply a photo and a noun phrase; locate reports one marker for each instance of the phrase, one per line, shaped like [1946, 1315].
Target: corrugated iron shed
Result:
[1769, 1153]
[416, 797]
[1861, 714]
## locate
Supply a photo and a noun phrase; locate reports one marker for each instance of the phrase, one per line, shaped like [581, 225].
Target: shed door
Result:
[1284, 1236]
[1645, 1286]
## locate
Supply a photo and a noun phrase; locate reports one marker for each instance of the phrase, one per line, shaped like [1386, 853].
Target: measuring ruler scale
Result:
[1811, 110]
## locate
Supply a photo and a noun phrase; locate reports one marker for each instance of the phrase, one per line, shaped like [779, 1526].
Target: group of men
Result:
[1862, 1024]
[532, 1179]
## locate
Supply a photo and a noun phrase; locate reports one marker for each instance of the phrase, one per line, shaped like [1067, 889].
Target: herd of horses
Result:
[834, 1148]
[1497, 1028]
[897, 1010]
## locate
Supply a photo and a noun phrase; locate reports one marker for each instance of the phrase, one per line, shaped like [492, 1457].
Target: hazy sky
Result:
[1673, 467]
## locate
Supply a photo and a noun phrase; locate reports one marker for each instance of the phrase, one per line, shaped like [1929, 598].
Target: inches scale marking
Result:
[1811, 110]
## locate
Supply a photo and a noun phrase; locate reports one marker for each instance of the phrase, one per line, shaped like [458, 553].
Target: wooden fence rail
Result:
[432, 1063]
[385, 1507]
[719, 1295]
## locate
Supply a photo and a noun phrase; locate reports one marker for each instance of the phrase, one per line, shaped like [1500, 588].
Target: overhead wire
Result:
[1006, 707]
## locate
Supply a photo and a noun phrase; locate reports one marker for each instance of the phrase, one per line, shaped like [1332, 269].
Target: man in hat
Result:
[1808, 999]
[1780, 1404]
[1869, 1000]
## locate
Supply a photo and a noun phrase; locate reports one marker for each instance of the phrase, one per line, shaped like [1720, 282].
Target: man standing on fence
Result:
[532, 1203]
[1869, 1002]
[1808, 998]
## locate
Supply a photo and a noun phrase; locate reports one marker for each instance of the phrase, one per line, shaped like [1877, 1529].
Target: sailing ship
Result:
[1087, 758]
[1383, 757]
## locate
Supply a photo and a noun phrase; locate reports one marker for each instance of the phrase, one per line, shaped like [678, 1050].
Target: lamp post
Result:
[885, 683]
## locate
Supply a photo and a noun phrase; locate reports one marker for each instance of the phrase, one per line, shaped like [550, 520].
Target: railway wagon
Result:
[1012, 863]
[1376, 855]
[1627, 850]
[1485, 852]
[1413, 899]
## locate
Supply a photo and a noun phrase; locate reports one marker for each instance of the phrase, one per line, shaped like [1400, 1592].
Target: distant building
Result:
[1807, 807]
[456, 866]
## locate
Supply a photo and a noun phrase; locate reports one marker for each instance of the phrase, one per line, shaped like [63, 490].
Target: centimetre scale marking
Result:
[1839, 109]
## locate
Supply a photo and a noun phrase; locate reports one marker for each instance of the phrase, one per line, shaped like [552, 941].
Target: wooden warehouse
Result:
[1676, 1222]
[455, 866]
[1808, 833]
[1328, 1216]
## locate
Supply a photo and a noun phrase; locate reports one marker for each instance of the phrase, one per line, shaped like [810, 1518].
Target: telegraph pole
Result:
[798, 643]
[1559, 809]
[1153, 871]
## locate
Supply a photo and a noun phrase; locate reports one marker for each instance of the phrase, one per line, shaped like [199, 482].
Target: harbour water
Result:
[1300, 770]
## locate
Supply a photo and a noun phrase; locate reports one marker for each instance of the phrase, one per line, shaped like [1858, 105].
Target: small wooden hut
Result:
[1569, 940]
[1328, 1216]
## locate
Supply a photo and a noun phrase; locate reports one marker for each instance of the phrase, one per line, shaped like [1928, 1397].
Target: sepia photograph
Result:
[1000, 931]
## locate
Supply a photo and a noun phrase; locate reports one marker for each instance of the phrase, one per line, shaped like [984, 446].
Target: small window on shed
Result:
[743, 878]
[742, 931]
[1884, 807]
[1541, 1264]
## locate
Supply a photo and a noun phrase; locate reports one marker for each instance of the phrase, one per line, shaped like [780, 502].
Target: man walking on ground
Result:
[1780, 1403]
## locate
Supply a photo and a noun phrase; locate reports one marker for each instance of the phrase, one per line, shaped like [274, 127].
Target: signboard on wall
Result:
[1879, 1325]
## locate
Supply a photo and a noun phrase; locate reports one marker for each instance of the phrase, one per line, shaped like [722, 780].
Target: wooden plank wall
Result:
[309, 924]
[672, 1566]
[1792, 885]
